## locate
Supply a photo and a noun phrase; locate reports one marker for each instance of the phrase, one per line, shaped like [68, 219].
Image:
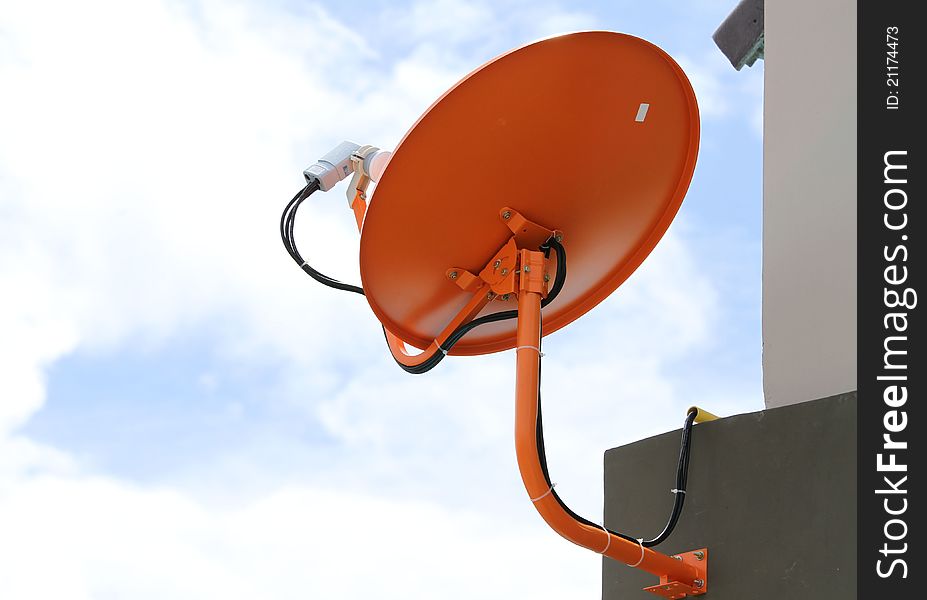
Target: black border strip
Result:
[891, 266]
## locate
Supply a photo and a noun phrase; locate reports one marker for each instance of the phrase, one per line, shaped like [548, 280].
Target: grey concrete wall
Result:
[809, 200]
[772, 495]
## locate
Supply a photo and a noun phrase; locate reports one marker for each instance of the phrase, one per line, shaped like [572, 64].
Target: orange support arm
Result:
[480, 298]
[529, 463]
[359, 206]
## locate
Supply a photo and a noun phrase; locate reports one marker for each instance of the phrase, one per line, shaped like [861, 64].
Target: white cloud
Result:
[707, 76]
[34, 332]
[449, 20]
[147, 149]
[723, 92]
[97, 538]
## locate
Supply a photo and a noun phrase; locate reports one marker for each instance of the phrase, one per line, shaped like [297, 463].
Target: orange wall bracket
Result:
[676, 589]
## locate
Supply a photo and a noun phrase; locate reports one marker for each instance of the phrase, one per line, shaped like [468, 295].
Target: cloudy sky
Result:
[184, 414]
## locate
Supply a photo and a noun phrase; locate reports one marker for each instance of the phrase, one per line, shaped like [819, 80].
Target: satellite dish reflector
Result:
[591, 134]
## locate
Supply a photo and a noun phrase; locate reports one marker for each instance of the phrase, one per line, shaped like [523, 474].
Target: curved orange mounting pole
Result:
[529, 463]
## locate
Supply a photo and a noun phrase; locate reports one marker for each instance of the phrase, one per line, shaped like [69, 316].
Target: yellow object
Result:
[702, 415]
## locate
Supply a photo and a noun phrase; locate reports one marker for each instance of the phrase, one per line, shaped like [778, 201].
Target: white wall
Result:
[809, 200]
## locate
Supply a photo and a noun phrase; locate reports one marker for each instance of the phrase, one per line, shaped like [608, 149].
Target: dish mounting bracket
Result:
[501, 271]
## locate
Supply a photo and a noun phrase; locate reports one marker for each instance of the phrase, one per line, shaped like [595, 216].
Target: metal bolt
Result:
[505, 271]
[507, 215]
[496, 264]
[505, 296]
[698, 583]
[452, 275]
[676, 557]
[546, 277]
[559, 237]
[699, 555]
[489, 296]
[527, 269]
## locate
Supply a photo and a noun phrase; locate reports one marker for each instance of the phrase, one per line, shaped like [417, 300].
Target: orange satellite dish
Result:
[579, 145]
[594, 134]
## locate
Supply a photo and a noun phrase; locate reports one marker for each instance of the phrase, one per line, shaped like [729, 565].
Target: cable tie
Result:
[304, 264]
[535, 348]
[675, 491]
[443, 351]
[608, 536]
[640, 542]
[545, 494]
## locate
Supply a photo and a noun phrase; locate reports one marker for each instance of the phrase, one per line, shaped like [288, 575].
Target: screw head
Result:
[699, 555]
[698, 583]
[666, 587]
[546, 277]
[489, 296]
[559, 237]
[496, 264]
[507, 215]
[505, 296]
[452, 274]
[505, 271]
[676, 557]
[527, 269]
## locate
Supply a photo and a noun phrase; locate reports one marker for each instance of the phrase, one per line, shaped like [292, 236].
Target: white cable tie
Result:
[443, 351]
[640, 542]
[608, 536]
[545, 494]
[304, 264]
[675, 491]
[535, 348]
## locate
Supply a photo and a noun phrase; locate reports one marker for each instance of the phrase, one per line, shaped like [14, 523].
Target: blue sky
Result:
[173, 387]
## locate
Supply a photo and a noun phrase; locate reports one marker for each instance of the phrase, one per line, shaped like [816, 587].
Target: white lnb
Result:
[375, 164]
[333, 167]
